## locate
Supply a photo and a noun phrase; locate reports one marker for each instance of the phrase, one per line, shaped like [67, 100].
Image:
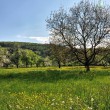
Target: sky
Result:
[24, 20]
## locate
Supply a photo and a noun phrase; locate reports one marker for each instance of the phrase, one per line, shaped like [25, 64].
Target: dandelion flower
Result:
[63, 102]
[92, 99]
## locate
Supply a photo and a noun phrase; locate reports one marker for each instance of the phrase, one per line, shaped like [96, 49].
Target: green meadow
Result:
[50, 88]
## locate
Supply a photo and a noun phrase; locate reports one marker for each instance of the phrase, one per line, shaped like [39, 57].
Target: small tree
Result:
[83, 30]
[59, 53]
[4, 57]
[40, 62]
[29, 57]
[26, 57]
[16, 57]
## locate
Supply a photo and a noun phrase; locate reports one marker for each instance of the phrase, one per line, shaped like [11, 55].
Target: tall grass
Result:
[68, 88]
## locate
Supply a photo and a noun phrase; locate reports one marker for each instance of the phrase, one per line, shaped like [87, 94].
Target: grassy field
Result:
[50, 88]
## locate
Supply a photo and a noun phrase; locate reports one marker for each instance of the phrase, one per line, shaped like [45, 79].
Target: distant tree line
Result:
[58, 55]
[42, 49]
[19, 58]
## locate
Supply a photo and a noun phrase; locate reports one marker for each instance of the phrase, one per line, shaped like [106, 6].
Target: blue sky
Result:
[24, 20]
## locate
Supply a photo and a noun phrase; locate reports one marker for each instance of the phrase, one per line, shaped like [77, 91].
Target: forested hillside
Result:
[22, 54]
[42, 49]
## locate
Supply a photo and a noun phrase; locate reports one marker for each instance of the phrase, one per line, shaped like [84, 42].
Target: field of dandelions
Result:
[50, 88]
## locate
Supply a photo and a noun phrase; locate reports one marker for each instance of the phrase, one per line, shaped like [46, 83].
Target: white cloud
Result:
[40, 39]
[35, 39]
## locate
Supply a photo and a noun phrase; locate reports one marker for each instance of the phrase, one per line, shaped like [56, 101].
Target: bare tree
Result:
[58, 52]
[83, 29]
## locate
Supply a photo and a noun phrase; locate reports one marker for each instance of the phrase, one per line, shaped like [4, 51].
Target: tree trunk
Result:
[87, 68]
[37, 65]
[59, 64]
[17, 66]
[26, 64]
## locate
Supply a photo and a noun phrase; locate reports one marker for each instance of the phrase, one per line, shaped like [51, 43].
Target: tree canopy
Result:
[83, 29]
